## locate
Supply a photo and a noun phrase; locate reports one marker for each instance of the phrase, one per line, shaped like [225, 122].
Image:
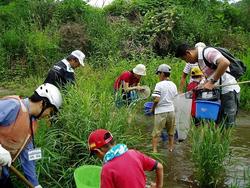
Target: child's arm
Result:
[156, 100]
[127, 88]
[159, 175]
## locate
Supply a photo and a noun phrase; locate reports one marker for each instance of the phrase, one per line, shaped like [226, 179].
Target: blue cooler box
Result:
[207, 109]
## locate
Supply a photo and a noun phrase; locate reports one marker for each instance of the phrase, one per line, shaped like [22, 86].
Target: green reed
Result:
[210, 149]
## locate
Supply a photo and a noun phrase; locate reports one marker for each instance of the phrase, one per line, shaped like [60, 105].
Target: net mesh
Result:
[144, 93]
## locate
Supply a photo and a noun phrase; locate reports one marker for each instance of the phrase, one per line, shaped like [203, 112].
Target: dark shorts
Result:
[229, 108]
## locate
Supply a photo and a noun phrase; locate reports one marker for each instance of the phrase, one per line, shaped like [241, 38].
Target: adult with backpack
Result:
[129, 83]
[220, 68]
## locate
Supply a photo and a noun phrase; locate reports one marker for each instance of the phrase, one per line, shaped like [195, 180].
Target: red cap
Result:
[97, 139]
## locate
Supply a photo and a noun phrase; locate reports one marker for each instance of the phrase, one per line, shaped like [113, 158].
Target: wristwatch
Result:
[213, 81]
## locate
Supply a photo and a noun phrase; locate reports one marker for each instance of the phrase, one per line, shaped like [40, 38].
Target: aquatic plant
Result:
[210, 149]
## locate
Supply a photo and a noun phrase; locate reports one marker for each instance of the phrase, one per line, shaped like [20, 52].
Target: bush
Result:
[41, 50]
[73, 36]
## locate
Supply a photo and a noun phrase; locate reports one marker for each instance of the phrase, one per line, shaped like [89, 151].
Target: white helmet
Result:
[79, 55]
[50, 92]
[140, 69]
[164, 68]
[200, 44]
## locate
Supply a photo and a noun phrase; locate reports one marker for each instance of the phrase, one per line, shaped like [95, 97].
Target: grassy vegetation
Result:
[87, 106]
[36, 34]
[210, 151]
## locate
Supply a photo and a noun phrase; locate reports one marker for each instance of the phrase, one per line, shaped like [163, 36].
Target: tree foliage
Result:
[39, 32]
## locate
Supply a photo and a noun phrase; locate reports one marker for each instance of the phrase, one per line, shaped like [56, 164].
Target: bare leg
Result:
[155, 143]
[171, 142]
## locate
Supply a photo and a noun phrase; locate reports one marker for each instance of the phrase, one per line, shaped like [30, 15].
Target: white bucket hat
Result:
[140, 69]
[79, 55]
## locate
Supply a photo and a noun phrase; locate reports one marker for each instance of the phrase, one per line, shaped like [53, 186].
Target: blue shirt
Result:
[9, 109]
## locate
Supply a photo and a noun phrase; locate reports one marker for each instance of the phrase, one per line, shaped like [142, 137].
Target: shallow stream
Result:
[178, 167]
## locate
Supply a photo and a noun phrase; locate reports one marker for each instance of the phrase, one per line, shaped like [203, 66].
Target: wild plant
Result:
[210, 149]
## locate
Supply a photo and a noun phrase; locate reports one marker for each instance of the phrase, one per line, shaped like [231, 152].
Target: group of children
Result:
[102, 144]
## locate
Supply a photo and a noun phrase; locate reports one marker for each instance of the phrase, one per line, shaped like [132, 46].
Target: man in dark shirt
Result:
[63, 71]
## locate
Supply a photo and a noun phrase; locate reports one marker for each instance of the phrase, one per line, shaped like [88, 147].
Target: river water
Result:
[178, 167]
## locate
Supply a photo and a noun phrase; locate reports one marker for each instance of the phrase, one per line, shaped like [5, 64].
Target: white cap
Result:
[164, 68]
[140, 69]
[200, 44]
[79, 55]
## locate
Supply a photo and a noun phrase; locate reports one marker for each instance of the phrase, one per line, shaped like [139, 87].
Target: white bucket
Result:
[182, 115]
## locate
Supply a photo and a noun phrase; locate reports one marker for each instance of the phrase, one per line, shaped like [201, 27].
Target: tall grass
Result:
[87, 106]
[245, 88]
[210, 149]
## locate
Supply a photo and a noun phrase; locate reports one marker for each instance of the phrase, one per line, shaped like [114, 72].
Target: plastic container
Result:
[147, 108]
[207, 109]
[208, 95]
[87, 176]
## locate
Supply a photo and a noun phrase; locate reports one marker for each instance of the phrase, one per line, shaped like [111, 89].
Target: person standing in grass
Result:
[129, 81]
[18, 124]
[187, 70]
[123, 167]
[198, 78]
[63, 71]
[163, 108]
[218, 72]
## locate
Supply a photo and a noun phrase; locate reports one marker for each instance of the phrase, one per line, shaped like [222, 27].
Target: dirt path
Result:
[4, 91]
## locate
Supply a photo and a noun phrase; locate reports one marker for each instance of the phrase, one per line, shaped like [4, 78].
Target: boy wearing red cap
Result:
[123, 167]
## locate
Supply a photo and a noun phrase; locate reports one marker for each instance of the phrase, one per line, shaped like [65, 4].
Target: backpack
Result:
[237, 67]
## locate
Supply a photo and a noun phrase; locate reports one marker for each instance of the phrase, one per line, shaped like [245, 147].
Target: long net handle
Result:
[243, 82]
[20, 176]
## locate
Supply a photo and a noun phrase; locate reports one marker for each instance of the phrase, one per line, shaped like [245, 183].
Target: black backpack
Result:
[237, 67]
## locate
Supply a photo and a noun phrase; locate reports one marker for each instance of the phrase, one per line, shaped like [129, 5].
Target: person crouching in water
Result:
[197, 78]
[130, 83]
[163, 108]
[123, 167]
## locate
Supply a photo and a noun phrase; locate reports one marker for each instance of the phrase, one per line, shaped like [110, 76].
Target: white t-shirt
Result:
[187, 69]
[212, 55]
[166, 90]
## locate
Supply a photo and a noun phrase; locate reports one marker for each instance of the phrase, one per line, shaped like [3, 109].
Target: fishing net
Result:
[144, 93]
